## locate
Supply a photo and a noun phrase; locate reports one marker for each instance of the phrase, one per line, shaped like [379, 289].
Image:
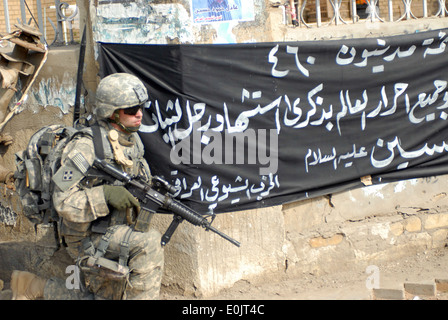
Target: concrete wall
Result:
[345, 231]
[327, 234]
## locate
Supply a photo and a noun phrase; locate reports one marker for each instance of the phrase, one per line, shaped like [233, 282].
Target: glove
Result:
[119, 198]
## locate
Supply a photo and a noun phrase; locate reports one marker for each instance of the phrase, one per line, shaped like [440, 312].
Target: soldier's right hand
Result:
[119, 197]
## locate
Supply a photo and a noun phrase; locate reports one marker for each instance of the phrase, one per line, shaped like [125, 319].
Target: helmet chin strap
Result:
[116, 120]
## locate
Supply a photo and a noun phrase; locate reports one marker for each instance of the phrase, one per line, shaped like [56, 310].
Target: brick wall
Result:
[48, 12]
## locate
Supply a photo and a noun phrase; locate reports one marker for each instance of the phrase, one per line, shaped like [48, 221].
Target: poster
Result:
[209, 11]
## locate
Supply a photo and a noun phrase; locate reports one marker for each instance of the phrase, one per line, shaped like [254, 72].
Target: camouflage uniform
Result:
[81, 204]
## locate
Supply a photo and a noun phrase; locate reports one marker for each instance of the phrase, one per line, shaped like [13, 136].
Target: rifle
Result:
[151, 200]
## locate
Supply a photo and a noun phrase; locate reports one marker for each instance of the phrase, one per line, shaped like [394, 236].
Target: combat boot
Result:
[26, 286]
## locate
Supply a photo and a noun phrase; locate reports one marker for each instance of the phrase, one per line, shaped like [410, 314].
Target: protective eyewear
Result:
[133, 110]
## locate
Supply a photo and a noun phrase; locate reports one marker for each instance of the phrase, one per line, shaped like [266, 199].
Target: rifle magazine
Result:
[143, 220]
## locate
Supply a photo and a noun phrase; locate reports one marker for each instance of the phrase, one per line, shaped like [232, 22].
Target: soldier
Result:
[96, 217]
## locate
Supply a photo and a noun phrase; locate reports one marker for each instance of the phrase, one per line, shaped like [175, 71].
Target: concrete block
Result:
[436, 221]
[421, 288]
[388, 293]
[413, 224]
[442, 285]
[396, 228]
[201, 263]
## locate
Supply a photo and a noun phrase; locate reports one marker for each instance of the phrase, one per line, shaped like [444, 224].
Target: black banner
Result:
[252, 125]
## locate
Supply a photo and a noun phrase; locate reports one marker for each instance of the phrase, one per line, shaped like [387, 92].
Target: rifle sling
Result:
[98, 141]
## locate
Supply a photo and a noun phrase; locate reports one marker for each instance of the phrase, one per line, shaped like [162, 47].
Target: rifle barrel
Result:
[195, 218]
[233, 241]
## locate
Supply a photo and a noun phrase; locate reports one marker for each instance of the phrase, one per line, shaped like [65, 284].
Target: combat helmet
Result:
[119, 91]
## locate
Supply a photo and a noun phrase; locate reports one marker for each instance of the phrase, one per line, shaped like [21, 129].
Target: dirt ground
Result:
[344, 285]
